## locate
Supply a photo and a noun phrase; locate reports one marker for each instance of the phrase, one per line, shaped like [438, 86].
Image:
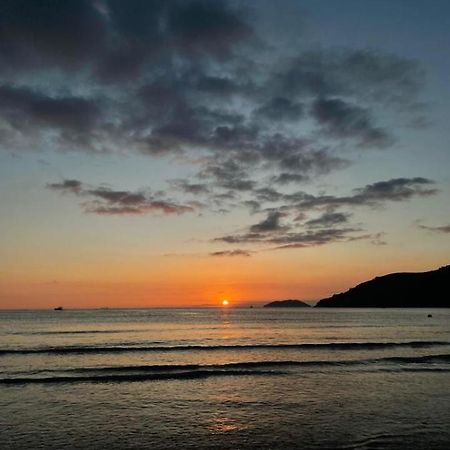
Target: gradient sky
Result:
[175, 153]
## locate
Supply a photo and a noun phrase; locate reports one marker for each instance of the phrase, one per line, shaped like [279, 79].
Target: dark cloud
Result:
[286, 177]
[106, 34]
[366, 74]
[267, 194]
[25, 111]
[270, 224]
[106, 201]
[331, 225]
[394, 190]
[343, 120]
[182, 76]
[205, 26]
[191, 188]
[280, 109]
[296, 155]
[316, 237]
[328, 219]
[229, 175]
[236, 252]
[123, 198]
[252, 205]
[145, 207]
[48, 32]
[218, 86]
[188, 80]
[72, 186]
[302, 239]
[439, 229]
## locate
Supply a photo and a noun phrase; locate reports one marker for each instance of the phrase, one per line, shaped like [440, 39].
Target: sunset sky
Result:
[176, 153]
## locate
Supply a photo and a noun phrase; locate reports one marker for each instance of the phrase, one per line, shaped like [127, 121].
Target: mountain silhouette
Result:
[286, 304]
[397, 290]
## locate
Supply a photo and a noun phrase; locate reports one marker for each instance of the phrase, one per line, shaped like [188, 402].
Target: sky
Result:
[176, 153]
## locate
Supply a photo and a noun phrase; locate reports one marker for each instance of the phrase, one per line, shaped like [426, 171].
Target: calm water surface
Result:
[225, 379]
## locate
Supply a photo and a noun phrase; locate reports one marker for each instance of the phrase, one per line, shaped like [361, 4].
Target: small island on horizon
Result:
[396, 290]
[287, 304]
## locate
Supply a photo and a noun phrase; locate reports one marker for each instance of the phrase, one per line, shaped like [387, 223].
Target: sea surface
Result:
[225, 379]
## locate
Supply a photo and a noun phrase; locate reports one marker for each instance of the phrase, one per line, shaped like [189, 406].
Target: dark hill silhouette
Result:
[286, 304]
[397, 290]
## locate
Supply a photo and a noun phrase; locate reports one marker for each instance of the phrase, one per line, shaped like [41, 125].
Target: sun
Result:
[225, 302]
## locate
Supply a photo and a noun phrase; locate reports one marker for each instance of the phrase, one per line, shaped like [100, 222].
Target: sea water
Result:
[225, 379]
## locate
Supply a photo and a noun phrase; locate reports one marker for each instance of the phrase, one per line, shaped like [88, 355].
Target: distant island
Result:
[397, 290]
[287, 304]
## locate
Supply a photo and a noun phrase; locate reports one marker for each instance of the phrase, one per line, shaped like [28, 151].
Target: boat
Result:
[58, 308]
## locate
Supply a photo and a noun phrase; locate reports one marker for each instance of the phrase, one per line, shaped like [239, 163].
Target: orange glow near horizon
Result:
[225, 302]
[193, 281]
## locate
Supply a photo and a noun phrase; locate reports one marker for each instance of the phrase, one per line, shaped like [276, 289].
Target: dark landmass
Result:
[286, 304]
[397, 290]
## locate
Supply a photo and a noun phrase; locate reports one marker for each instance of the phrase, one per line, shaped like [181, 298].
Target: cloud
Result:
[343, 120]
[36, 34]
[280, 109]
[71, 186]
[29, 114]
[376, 194]
[74, 33]
[328, 219]
[302, 239]
[195, 82]
[355, 73]
[185, 76]
[267, 194]
[331, 226]
[378, 239]
[106, 201]
[203, 26]
[229, 175]
[236, 252]
[439, 229]
[269, 224]
[396, 189]
[286, 177]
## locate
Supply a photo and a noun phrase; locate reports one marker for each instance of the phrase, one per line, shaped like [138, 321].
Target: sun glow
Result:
[225, 302]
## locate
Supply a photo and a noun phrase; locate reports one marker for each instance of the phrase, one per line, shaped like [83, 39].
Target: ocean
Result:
[225, 379]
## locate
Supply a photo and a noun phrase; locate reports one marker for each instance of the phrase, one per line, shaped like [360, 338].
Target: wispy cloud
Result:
[301, 239]
[106, 201]
[330, 226]
[439, 229]
[237, 252]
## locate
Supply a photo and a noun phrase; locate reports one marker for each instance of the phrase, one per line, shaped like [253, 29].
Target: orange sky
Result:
[196, 281]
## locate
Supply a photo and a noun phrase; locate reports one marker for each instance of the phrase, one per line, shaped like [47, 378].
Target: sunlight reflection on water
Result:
[225, 425]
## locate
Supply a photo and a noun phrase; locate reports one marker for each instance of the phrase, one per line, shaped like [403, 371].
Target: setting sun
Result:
[225, 302]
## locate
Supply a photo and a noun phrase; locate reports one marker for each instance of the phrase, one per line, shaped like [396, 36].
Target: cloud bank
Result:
[196, 81]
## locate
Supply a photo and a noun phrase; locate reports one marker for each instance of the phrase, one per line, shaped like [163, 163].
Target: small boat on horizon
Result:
[58, 308]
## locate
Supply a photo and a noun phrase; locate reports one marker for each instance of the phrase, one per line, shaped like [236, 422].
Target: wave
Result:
[192, 371]
[49, 333]
[112, 378]
[183, 348]
[441, 358]
[445, 358]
